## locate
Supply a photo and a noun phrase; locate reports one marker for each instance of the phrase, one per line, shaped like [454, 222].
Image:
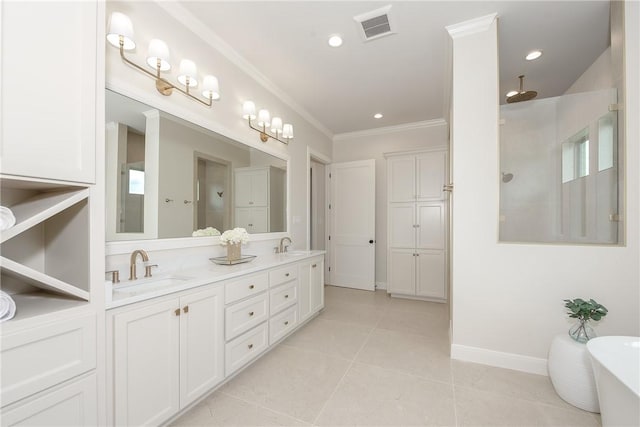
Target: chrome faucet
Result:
[132, 267]
[283, 248]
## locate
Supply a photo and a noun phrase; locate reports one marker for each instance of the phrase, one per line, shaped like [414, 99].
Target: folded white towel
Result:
[7, 220]
[7, 307]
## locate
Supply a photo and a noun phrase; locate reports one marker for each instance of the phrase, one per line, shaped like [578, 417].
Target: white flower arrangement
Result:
[237, 235]
[209, 231]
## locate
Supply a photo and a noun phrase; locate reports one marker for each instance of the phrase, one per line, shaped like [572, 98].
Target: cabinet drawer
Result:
[245, 348]
[75, 404]
[35, 359]
[283, 296]
[245, 287]
[245, 315]
[283, 274]
[282, 324]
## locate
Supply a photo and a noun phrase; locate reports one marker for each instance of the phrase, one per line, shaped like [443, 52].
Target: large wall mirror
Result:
[168, 178]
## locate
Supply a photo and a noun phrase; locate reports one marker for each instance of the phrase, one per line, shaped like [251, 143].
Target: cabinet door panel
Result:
[72, 405]
[48, 130]
[260, 188]
[431, 274]
[201, 343]
[242, 188]
[402, 179]
[402, 221]
[402, 271]
[431, 218]
[316, 289]
[146, 368]
[431, 175]
[304, 291]
[259, 220]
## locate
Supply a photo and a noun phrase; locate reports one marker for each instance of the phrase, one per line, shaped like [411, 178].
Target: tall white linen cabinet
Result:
[52, 259]
[417, 224]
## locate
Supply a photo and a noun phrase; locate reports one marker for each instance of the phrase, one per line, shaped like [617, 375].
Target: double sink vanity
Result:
[175, 337]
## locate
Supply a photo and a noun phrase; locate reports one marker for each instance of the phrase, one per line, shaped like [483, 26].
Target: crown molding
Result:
[389, 129]
[472, 26]
[181, 14]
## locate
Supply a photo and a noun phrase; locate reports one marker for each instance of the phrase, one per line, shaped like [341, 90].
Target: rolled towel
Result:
[7, 307]
[7, 219]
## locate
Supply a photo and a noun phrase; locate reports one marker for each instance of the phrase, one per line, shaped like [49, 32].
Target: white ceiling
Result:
[403, 76]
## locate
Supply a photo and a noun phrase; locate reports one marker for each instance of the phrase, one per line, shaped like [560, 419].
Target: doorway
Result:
[212, 195]
[317, 202]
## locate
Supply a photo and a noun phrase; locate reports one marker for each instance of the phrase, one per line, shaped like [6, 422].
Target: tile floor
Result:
[371, 360]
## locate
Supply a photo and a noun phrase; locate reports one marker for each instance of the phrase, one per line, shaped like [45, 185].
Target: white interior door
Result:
[352, 225]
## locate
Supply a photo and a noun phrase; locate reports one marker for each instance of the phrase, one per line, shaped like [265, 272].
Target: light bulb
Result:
[188, 71]
[264, 118]
[210, 87]
[248, 110]
[120, 26]
[158, 51]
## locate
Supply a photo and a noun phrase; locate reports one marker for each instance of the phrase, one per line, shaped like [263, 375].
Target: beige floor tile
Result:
[430, 324]
[413, 354]
[371, 396]
[290, 381]
[336, 294]
[506, 382]
[482, 408]
[222, 410]
[331, 337]
[405, 304]
[361, 314]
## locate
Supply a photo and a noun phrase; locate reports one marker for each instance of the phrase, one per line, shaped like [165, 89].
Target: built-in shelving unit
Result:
[48, 247]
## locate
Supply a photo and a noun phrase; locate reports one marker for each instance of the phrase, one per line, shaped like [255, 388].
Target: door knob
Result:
[371, 241]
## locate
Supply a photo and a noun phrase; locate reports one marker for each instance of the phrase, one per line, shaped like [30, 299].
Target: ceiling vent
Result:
[375, 24]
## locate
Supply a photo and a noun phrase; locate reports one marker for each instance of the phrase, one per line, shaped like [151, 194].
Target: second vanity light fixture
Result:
[120, 35]
[279, 130]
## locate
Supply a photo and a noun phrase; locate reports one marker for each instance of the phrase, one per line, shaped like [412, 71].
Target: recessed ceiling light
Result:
[377, 116]
[534, 54]
[511, 93]
[335, 41]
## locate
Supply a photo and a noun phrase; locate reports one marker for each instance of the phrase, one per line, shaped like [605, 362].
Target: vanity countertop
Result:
[128, 292]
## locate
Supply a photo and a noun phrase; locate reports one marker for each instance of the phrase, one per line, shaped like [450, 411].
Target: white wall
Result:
[369, 145]
[152, 20]
[507, 298]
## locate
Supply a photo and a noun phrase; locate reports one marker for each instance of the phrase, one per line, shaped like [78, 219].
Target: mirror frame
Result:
[119, 247]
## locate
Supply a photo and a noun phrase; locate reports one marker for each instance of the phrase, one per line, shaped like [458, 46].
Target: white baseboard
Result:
[518, 362]
[381, 285]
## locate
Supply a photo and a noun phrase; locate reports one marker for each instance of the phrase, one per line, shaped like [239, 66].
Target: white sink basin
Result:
[149, 285]
[296, 253]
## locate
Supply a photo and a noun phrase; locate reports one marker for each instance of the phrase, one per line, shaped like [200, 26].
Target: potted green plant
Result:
[584, 311]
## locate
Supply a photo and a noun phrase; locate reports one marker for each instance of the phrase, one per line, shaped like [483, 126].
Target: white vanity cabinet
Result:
[49, 125]
[260, 199]
[416, 228]
[311, 287]
[166, 354]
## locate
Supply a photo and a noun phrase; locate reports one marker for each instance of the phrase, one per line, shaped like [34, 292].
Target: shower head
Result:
[507, 177]
[522, 95]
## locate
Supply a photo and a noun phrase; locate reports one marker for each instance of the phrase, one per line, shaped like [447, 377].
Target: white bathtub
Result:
[616, 365]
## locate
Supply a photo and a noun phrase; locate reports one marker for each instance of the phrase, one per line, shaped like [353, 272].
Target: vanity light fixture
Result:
[120, 35]
[275, 125]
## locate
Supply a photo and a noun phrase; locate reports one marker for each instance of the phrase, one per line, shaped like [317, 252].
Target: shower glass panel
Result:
[561, 156]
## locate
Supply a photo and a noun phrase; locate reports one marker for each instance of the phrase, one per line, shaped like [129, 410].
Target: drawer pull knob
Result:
[251, 286]
[286, 296]
[177, 312]
[250, 346]
[286, 275]
[286, 323]
[314, 265]
[186, 309]
[251, 313]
